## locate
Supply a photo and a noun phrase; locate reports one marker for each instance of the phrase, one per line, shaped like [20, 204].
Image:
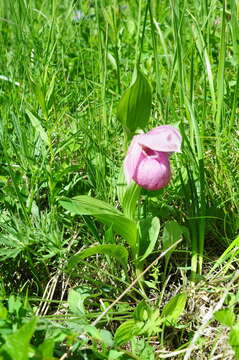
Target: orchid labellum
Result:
[147, 160]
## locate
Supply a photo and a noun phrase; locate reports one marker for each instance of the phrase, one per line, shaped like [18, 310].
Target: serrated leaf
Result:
[135, 104]
[225, 317]
[141, 348]
[105, 213]
[149, 231]
[174, 308]
[118, 252]
[153, 325]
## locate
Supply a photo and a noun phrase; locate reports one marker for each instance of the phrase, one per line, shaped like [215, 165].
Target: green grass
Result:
[60, 84]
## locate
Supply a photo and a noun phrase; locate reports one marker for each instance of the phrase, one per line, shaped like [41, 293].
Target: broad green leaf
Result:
[149, 231]
[127, 331]
[234, 340]
[128, 195]
[130, 199]
[135, 104]
[225, 317]
[38, 127]
[105, 213]
[86, 205]
[122, 226]
[174, 308]
[106, 337]
[76, 298]
[17, 345]
[118, 252]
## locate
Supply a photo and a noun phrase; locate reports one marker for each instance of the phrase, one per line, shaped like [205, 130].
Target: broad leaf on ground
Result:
[105, 213]
[118, 252]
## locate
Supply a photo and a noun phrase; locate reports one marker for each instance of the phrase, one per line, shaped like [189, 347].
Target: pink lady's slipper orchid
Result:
[147, 160]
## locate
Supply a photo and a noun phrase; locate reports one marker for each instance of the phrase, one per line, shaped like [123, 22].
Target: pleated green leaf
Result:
[105, 213]
[118, 252]
[135, 104]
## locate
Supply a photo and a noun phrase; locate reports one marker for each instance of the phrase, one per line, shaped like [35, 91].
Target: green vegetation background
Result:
[62, 74]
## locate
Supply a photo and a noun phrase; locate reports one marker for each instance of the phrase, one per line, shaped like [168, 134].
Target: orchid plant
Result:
[146, 165]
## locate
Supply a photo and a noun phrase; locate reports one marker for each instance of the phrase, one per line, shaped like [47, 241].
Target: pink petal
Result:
[133, 157]
[163, 138]
[153, 173]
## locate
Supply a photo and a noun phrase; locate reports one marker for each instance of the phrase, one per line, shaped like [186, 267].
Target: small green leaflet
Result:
[115, 354]
[104, 336]
[174, 308]
[76, 298]
[143, 349]
[225, 317]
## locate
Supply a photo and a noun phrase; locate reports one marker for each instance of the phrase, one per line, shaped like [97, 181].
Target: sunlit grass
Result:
[61, 80]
